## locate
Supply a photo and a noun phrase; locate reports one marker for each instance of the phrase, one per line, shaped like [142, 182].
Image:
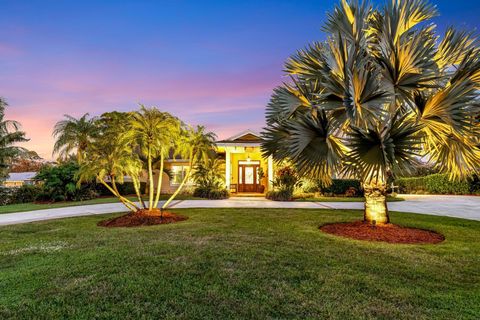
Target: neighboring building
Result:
[19, 179]
[243, 160]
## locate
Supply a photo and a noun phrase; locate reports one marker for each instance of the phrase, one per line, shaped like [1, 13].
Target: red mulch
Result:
[142, 218]
[390, 233]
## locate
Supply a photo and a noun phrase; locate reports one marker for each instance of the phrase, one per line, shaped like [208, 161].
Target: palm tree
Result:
[111, 156]
[154, 133]
[209, 173]
[195, 145]
[10, 134]
[379, 96]
[74, 134]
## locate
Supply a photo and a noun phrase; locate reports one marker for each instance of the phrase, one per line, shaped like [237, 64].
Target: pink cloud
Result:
[39, 99]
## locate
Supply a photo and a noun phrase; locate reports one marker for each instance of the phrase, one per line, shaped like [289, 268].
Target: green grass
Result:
[345, 199]
[22, 207]
[237, 263]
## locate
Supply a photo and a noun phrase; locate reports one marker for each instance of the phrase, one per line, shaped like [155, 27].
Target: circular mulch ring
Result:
[390, 233]
[142, 218]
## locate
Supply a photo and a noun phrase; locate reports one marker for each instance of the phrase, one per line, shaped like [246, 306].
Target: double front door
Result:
[248, 176]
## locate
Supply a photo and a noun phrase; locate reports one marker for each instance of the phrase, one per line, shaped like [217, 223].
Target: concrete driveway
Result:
[466, 207]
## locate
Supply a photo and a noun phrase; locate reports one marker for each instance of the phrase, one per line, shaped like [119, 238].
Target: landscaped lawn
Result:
[21, 207]
[237, 263]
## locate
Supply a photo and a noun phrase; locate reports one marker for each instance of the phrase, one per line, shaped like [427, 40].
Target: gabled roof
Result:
[248, 136]
[21, 176]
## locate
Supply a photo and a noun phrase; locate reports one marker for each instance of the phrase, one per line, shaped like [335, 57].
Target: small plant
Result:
[208, 177]
[284, 184]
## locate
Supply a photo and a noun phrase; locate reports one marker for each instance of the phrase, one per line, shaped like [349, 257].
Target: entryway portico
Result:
[246, 170]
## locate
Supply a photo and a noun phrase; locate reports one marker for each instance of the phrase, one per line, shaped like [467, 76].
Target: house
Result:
[243, 165]
[18, 179]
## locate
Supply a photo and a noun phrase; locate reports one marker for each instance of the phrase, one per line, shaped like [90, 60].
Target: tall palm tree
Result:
[74, 134]
[10, 134]
[381, 94]
[154, 133]
[196, 145]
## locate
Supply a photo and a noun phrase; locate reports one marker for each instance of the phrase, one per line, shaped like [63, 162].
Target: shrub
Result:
[309, 186]
[440, 184]
[60, 184]
[212, 194]
[303, 195]
[349, 187]
[284, 184]
[280, 195]
[6, 195]
[475, 184]
[436, 184]
[208, 176]
[25, 194]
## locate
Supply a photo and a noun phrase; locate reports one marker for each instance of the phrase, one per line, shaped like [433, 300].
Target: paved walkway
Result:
[467, 207]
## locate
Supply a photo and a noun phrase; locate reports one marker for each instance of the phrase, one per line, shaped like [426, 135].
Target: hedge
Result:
[209, 193]
[436, 184]
[23, 194]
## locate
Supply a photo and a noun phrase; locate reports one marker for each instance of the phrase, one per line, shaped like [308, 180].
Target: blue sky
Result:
[208, 62]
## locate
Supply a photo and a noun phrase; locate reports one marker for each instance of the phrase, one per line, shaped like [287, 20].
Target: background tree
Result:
[378, 96]
[28, 161]
[10, 134]
[74, 134]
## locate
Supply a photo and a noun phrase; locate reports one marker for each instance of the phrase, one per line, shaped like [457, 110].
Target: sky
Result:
[212, 63]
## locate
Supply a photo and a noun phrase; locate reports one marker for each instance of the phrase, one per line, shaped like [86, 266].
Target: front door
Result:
[248, 176]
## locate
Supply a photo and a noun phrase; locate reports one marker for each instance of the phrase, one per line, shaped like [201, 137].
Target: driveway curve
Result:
[465, 207]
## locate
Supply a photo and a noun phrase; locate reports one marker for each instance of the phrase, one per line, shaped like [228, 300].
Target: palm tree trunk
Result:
[116, 194]
[122, 198]
[79, 156]
[150, 181]
[159, 182]
[376, 211]
[136, 186]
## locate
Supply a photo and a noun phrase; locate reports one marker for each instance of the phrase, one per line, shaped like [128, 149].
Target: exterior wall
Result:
[168, 187]
[16, 184]
[12, 184]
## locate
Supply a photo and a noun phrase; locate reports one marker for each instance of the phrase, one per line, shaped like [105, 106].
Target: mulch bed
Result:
[390, 233]
[142, 218]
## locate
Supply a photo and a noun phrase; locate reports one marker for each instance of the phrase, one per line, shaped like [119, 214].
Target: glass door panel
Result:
[249, 179]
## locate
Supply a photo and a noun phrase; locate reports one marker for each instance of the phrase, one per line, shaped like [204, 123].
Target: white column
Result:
[270, 172]
[227, 169]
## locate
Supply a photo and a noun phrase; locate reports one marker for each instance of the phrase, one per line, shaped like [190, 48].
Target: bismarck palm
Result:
[381, 94]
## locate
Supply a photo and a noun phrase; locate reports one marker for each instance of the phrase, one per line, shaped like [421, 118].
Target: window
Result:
[178, 173]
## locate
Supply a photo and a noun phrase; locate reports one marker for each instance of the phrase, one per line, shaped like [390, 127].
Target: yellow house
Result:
[244, 162]
[243, 165]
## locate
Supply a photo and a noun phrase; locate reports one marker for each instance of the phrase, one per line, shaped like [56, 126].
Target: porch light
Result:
[248, 158]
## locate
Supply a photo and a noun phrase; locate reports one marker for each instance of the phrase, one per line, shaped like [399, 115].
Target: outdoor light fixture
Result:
[248, 158]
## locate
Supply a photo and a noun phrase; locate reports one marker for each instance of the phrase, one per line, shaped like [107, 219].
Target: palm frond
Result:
[454, 47]
[394, 148]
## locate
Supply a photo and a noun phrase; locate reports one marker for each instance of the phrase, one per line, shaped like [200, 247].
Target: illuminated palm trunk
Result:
[376, 211]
